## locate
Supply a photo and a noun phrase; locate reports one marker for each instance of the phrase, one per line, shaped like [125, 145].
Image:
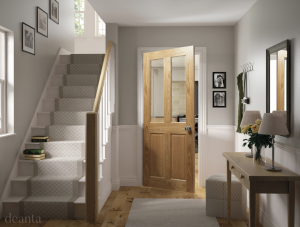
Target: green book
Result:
[33, 151]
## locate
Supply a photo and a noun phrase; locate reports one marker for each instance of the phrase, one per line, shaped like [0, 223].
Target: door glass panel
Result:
[178, 89]
[157, 90]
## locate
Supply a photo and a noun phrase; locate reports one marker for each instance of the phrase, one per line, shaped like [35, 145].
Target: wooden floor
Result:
[117, 207]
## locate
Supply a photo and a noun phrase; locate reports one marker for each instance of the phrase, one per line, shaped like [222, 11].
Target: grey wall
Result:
[220, 57]
[267, 23]
[31, 72]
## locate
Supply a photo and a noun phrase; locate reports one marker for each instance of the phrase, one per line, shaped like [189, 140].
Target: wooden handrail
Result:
[102, 78]
[91, 149]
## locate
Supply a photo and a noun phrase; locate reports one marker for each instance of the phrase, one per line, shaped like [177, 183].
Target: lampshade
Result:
[273, 124]
[250, 116]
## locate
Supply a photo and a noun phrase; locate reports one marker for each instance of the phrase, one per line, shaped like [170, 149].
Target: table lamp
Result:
[249, 118]
[273, 124]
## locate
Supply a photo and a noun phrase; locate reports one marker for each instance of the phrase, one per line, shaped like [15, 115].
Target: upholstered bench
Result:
[216, 197]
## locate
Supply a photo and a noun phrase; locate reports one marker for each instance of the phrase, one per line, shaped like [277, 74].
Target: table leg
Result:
[257, 209]
[228, 194]
[291, 204]
[252, 203]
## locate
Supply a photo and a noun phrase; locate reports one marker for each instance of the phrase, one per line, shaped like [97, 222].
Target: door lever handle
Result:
[188, 128]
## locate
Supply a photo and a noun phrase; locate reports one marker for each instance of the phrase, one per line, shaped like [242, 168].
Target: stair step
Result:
[66, 132]
[77, 91]
[38, 130]
[74, 104]
[57, 80]
[52, 166]
[87, 58]
[11, 206]
[82, 69]
[48, 105]
[60, 148]
[68, 118]
[81, 80]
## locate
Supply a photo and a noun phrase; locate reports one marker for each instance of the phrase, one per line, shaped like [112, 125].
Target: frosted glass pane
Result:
[157, 90]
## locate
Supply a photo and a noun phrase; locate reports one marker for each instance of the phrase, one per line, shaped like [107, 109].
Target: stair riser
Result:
[26, 168]
[75, 150]
[81, 80]
[12, 210]
[77, 92]
[66, 133]
[19, 188]
[87, 58]
[83, 69]
[68, 118]
[74, 104]
[38, 131]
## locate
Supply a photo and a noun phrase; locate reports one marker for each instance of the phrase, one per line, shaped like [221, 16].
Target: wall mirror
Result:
[278, 80]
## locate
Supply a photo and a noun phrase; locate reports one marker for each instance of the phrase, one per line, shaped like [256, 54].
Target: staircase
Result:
[54, 188]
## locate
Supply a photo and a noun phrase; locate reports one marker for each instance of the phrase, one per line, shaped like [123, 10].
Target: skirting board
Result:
[129, 181]
[115, 184]
[264, 220]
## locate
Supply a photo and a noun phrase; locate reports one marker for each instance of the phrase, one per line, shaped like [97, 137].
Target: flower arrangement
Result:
[256, 139]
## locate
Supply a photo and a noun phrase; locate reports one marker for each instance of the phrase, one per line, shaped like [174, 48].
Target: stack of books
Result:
[34, 154]
[40, 139]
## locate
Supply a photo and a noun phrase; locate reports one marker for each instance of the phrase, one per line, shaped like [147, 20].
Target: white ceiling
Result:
[171, 12]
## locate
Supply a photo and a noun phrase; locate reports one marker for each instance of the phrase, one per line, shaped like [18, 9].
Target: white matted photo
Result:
[42, 22]
[28, 39]
[54, 11]
[219, 79]
[219, 98]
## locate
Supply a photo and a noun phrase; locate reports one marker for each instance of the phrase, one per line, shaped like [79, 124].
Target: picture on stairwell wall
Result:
[54, 11]
[42, 22]
[28, 39]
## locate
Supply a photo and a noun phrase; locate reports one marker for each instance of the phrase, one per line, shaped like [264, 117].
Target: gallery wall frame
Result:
[42, 22]
[28, 39]
[54, 10]
[219, 80]
[219, 99]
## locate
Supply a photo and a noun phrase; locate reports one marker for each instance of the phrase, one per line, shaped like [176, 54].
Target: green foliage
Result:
[79, 17]
[258, 140]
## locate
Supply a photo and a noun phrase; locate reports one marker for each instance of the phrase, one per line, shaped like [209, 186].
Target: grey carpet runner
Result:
[52, 190]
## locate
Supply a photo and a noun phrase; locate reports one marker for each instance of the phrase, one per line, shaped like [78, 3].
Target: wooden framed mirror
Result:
[278, 80]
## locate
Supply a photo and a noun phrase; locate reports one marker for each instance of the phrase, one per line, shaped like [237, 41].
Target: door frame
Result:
[202, 110]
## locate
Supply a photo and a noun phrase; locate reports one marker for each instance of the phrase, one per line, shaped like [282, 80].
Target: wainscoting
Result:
[273, 208]
[127, 157]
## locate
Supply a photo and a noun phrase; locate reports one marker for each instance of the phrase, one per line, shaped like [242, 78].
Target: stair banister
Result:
[91, 144]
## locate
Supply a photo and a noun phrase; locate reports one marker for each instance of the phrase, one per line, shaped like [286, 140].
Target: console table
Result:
[257, 180]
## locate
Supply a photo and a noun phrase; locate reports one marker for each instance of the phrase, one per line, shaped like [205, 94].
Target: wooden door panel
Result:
[178, 153]
[169, 152]
[156, 154]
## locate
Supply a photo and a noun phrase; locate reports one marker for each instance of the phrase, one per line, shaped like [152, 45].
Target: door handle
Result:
[188, 128]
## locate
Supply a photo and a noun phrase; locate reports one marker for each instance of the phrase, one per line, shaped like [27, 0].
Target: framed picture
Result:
[28, 39]
[219, 98]
[219, 80]
[42, 22]
[54, 11]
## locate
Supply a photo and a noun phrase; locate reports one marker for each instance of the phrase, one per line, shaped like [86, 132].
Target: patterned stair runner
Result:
[52, 190]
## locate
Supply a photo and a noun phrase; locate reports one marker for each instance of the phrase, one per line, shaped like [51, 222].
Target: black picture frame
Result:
[216, 104]
[214, 78]
[54, 11]
[39, 24]
[28, 42]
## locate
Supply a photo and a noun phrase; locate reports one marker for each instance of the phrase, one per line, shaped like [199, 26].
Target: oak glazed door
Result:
[169, 119]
